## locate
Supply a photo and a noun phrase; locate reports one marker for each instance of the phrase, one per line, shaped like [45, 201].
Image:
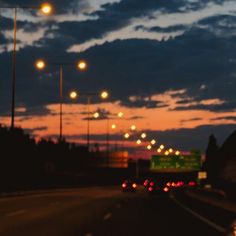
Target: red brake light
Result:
[151, 183]
[124, 185]
[191, 183]
[166, 189]
[150, 189]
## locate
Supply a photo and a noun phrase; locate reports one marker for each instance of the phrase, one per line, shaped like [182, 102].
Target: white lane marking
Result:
[15, 213]
[107, 216]
[202, 218]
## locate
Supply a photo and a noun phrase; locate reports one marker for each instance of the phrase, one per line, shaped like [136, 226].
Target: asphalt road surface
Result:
[107, 211]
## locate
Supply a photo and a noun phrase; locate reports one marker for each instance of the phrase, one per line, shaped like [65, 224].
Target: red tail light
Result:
[166, 189]
[124, 185]
[150, 189]
[191, 183]
[151, 184]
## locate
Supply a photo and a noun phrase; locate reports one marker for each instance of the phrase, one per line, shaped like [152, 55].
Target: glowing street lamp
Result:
[159, 150]
[45, 9]
[73, 95]
[138, 141]
[177, 153]
[82, 65]
[170, 150]
[162, 146]
[153, 142]
[143, 135]
[120, 114]
[126, 135]
[96, 115]
[133, 127]
[104, 94]
[113, 126]
[166, 153]
[40, 64]
[149, 147]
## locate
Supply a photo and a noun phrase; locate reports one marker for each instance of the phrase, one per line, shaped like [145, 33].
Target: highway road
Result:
[107, 211]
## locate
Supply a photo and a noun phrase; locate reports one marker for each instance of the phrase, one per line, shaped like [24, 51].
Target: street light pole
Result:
[107, 141]
[45, 9]
[13, 72]
[40, 64]
[61, 101]
[88, 123]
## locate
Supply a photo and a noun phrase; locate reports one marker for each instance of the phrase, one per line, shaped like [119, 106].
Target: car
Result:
[129, 186]
[146, 183]
[157, 188]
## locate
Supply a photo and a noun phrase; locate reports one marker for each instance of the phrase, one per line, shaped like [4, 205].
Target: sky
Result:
[169, 66]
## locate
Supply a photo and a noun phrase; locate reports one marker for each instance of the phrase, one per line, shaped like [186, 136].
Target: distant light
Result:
[82, 65]
[134, 185]
[46, 8]
[126, 135]
[153, 142]
[138, 141]
[133, 127]
[120, 114]
[177, 153]
[166, 153]
[104, 94]
[166, 189]
[143, 135]
[149, 147]
[151, 183]
[40, 64]
[73, 95]
[170, 150]
[124, 185]
[150, 189]
[96, 115]
[162, 147]
[113, 126]
[159, 150]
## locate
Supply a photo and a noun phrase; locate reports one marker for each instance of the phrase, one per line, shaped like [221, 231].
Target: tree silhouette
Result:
[211, 164]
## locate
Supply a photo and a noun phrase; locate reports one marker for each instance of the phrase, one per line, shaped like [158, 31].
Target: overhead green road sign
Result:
[174, 163]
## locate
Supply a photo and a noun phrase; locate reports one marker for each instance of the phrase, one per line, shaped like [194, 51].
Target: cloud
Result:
[134, 67]
[230, 118]
[180, 139]
[192, 119]
[159, 29]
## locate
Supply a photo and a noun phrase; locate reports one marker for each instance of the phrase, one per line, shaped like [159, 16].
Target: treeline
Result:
[25, 163]
[220, 163]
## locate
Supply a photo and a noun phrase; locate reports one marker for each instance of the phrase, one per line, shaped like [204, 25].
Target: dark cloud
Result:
[192, 119]
[41, 128]
[215, 108]
[159, 29]
[143, 102]
[114, 16]
[128, 67]
[136, 117]
[232, 118]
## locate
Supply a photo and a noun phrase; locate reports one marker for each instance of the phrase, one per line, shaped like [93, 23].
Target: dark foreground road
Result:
[99, 211]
